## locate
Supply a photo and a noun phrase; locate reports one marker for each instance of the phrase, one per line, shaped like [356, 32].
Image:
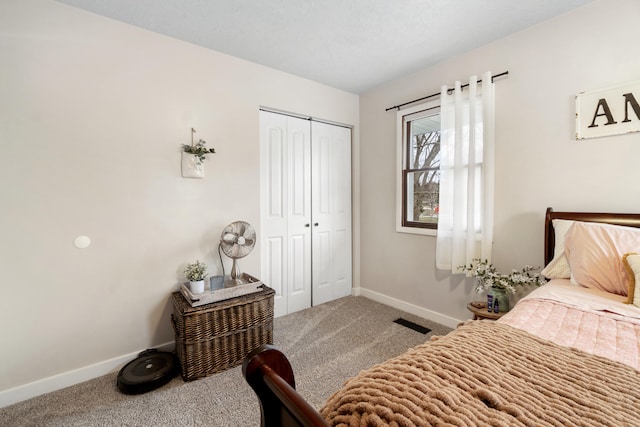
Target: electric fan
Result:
[236, 241]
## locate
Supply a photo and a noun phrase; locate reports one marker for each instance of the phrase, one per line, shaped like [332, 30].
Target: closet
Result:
[305, 210]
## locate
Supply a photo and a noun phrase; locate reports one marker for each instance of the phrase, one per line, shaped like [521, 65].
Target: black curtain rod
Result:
[438, 94]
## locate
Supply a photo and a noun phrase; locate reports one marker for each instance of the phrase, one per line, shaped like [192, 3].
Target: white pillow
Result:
[558, 267]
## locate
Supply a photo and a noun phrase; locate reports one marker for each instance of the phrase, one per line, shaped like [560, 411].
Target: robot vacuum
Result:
[152, 369]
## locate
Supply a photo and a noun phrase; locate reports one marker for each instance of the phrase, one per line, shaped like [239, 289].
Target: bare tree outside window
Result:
[421, 172]
[426, 179]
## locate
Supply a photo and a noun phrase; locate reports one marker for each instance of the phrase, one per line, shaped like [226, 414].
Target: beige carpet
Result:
[326, 345]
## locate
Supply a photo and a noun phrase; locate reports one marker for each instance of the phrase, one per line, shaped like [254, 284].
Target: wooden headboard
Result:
[626, 219]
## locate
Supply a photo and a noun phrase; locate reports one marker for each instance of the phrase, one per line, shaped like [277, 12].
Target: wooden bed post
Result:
[549, 237]
[269, 373]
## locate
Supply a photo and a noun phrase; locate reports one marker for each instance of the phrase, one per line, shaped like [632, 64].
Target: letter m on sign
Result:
[610, 111]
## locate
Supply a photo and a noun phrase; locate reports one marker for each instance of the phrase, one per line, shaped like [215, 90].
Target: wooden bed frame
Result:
[269, 373]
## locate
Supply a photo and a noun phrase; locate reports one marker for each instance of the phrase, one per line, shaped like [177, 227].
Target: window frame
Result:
[402, 155]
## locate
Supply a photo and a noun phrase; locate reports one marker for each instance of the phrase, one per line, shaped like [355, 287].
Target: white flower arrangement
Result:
[487, 276]
[196, 271]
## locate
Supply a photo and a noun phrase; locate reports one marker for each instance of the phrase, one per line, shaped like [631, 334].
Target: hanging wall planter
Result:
[192, 166]
[193, 157]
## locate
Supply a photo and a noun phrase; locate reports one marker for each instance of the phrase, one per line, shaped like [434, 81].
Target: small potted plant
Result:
[193, 156]
[195, 274]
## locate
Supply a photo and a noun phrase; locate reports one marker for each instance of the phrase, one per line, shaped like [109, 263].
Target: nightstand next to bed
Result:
[479, 310]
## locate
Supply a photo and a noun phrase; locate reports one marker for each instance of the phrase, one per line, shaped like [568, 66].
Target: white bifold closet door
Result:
[330, 211]
[305, 233]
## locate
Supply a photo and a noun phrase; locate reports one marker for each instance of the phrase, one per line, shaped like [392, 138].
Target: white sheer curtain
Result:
[465, 222]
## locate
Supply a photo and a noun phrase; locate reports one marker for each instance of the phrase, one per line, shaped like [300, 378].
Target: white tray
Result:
[250, 285]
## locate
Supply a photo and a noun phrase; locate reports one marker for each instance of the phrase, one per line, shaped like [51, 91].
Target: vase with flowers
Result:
[195, 274]
[497, 284]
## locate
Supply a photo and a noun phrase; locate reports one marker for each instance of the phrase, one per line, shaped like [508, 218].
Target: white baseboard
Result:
[408, 307]
[66, 379]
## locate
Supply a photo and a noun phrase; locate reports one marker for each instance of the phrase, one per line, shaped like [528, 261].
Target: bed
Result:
[567, 354]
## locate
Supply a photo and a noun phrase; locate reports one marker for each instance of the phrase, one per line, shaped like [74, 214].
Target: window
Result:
[419, 169]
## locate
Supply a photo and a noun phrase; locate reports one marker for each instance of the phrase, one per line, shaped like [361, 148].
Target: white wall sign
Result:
[611, 111]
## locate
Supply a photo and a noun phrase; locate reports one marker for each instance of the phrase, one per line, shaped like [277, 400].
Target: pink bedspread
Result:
[596, 331]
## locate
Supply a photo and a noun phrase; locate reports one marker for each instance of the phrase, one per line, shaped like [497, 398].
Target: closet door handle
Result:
[306, 225]
[315, 224]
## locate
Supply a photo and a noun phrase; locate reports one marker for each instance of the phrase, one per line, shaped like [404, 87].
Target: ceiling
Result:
[352, 45]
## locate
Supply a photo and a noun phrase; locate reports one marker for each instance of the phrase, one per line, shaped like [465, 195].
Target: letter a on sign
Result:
[610, 111]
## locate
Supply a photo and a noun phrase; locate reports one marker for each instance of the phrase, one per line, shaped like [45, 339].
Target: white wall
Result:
[538, 161]
[92, 115]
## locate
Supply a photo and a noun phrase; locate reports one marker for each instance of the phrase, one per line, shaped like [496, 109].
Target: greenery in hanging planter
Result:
[196, 271]
[198, 149]
[487, 277]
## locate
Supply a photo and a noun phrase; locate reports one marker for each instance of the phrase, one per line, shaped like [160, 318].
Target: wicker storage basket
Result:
[213, 337]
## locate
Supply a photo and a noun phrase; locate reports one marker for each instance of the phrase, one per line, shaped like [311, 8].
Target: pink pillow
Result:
[595, 255]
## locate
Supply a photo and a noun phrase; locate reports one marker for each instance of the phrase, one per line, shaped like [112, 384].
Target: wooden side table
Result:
[479, 310]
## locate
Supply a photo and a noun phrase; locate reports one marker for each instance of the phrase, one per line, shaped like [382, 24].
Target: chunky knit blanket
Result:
[488, 374]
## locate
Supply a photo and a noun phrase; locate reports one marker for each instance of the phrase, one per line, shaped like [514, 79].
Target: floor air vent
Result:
[411, 325]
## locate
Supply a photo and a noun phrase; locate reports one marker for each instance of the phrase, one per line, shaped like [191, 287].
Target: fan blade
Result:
[230, 237]
[240, 251]
[235, 251]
